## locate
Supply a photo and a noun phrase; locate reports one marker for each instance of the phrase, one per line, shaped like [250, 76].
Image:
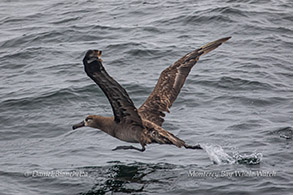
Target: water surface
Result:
[237, 101]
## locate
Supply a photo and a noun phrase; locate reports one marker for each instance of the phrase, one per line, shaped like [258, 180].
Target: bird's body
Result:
[143, 125]
[151, 132]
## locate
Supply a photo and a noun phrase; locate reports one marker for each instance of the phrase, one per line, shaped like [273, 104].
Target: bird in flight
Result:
[142, 125]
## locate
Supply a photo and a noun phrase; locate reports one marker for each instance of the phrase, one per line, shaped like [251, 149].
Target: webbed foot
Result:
[193, 147]
[128, 148]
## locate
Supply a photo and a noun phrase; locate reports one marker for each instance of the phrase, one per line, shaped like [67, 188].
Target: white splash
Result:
[217, 154]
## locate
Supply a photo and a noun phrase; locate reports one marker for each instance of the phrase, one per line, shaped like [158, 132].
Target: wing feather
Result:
[170, 83]
[122, 106]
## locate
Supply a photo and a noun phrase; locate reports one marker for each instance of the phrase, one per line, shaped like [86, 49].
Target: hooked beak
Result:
[81, 124]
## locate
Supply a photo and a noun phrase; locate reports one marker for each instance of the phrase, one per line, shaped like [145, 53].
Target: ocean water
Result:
[237, 101]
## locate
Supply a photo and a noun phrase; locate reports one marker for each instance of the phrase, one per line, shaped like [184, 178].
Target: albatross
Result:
[142, 125]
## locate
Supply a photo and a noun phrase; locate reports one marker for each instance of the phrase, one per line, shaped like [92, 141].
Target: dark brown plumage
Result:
[144, 125]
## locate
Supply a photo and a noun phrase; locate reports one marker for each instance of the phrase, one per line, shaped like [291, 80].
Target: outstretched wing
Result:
[123, 107]
[170, 83]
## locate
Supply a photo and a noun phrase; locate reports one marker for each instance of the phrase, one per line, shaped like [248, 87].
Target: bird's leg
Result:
[193, 147]
[129, 147]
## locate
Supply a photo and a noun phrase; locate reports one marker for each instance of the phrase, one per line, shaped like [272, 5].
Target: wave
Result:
[234, 84]
[49, 97]
[283, 132]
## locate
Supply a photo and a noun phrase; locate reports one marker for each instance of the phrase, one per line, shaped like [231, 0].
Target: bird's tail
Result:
[165, 137]
[211, 46]
[159, 135]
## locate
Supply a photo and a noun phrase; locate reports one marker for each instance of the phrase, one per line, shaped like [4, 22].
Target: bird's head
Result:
[94, 121]
[89, 121]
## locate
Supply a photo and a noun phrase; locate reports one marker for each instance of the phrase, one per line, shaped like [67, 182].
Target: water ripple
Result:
[239, 95]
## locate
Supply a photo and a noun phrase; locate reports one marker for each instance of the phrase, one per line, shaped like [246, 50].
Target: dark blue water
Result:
[237, 101]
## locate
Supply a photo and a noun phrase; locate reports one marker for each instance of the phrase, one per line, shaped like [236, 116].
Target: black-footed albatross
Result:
[143, 125]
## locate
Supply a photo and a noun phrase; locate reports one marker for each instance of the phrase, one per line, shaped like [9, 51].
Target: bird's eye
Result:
[88, 119]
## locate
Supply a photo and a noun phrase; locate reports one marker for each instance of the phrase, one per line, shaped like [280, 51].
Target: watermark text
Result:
[55, 174]
[241, 173]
